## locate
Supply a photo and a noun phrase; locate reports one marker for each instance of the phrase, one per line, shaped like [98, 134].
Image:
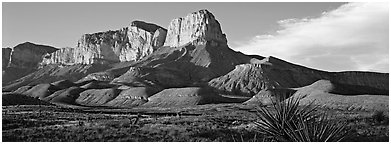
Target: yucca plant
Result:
[288, 121]
[378, 116]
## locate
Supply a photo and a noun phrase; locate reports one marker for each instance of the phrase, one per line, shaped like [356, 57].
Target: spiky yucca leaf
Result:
[287, 121]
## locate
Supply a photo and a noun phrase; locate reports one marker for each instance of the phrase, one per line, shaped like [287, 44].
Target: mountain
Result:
[195, 51]
[22, 59]
[189, 63]
[272, 73]
[94, 52]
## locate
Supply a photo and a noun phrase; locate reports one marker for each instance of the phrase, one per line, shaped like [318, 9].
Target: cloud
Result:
[351, 37]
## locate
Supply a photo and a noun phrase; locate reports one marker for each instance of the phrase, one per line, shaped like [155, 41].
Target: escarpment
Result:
[131, 43]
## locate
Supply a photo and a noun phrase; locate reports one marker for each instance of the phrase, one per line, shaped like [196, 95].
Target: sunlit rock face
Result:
[197, 28]
[131, 43]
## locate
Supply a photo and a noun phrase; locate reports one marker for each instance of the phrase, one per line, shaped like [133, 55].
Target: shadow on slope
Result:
[186, 97]
[52, 73]
[341, 96]
[328, 86]
[19, 99]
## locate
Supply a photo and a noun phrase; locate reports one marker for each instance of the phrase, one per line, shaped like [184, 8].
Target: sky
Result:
[327, 36]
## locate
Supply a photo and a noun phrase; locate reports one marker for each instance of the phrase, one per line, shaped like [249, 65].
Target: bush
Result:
[379, 116]
[287, 121]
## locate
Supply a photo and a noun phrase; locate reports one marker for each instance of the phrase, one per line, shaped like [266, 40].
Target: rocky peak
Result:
[197, 27]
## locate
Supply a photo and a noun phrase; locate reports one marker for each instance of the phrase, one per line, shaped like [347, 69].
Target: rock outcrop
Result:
[127, 44]
[197, 27]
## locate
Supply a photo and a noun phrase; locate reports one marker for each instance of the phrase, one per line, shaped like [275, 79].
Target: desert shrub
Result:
[287, 121]
[379, 116]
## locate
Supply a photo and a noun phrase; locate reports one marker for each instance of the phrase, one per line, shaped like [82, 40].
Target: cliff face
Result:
[140, 39]
[64, 55]
[127, 44]
[197, 27]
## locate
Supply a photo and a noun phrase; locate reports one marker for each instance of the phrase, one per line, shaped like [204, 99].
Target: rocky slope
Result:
[52, 73]
[188, 65]
[127, 44]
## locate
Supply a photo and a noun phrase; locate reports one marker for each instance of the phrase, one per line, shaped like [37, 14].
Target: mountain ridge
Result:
[189, 63]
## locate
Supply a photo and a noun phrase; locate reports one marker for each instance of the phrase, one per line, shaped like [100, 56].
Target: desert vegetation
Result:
[287, 121]
[217, 122]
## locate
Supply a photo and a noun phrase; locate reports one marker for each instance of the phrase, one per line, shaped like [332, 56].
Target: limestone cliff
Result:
[127, 44]
[197, 27]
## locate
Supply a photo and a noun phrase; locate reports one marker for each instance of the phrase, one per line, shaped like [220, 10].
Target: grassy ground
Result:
[221, 122]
